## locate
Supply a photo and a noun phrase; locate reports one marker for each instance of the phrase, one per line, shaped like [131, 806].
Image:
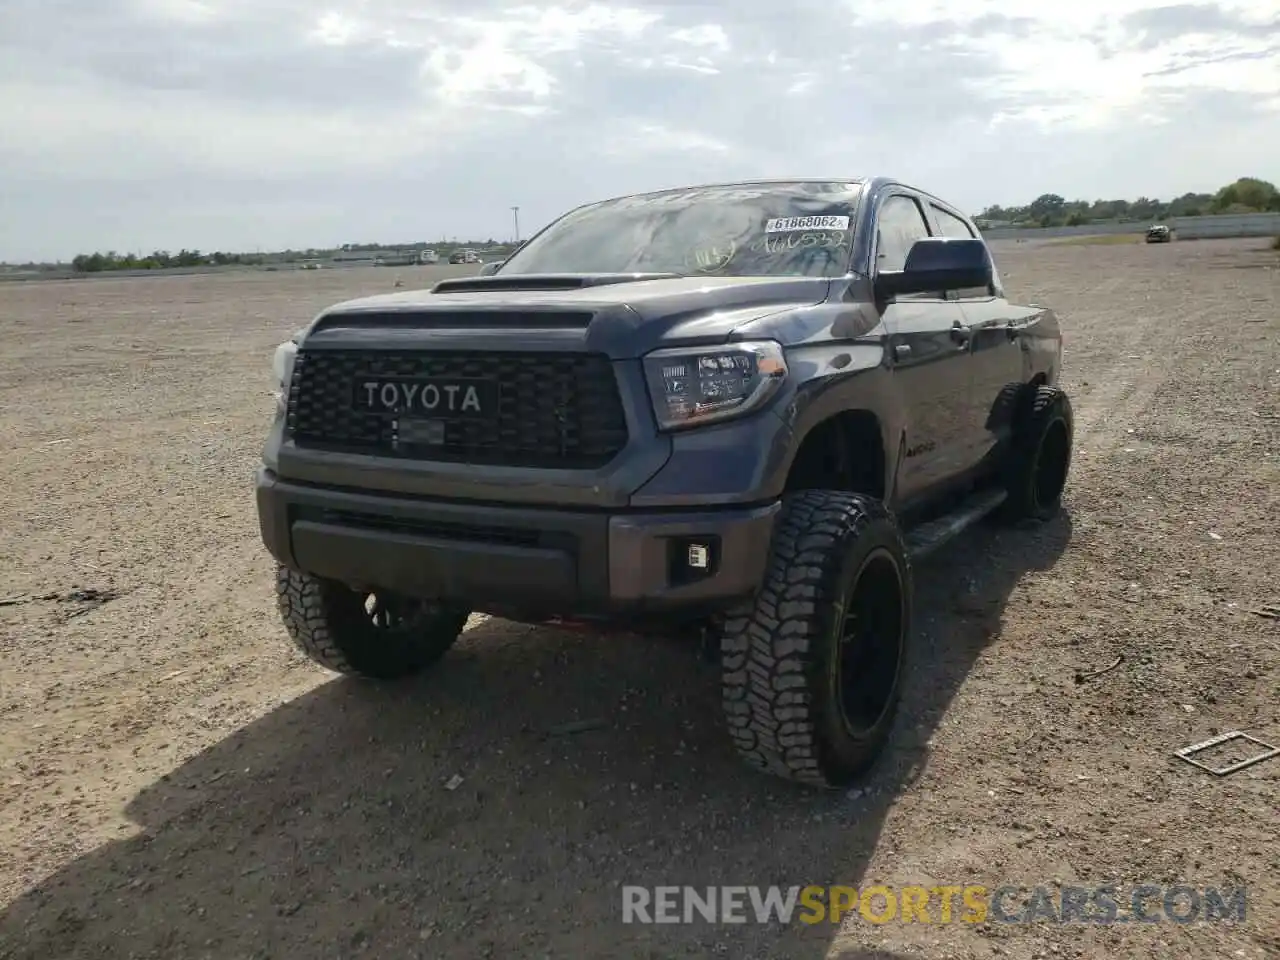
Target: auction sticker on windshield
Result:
[789, 224]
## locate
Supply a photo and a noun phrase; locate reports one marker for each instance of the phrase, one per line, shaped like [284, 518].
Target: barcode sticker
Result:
[790, 224]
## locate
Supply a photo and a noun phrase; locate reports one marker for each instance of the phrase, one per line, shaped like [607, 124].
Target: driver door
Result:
[928, 347]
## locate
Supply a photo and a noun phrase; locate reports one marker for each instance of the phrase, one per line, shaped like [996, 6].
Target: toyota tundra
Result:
[738, 411]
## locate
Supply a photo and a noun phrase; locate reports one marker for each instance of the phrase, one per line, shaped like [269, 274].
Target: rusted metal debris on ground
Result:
[1188, 753]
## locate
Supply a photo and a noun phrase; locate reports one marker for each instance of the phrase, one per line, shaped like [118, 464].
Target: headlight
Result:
[282, 365]
[691, 386]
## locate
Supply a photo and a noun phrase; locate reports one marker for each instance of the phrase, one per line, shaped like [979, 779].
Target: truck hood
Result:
[621, 315]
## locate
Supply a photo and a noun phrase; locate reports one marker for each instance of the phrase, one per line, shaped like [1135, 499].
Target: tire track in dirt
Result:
[1129, 388]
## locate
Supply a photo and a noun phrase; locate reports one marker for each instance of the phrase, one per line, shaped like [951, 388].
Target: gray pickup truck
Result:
[737, 410]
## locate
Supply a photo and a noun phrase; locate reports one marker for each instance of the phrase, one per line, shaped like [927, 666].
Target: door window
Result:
[900, 224]
[951, 225]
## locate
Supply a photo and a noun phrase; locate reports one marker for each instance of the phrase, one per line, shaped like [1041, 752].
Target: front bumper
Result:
[535, 561]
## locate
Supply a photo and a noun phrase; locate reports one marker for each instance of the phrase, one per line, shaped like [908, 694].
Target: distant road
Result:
[435, 270]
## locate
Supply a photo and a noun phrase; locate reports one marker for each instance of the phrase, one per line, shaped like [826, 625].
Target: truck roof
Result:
[870, 184]
[733, 183]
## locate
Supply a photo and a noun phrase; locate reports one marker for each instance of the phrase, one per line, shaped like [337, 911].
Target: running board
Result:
[928, 537]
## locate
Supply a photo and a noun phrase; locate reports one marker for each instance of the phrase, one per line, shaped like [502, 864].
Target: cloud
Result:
[1156, 26]
[246, 123]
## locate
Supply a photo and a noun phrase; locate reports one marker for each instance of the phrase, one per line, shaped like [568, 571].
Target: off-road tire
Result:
[328, 622]
[1039, 459]
[780, 660]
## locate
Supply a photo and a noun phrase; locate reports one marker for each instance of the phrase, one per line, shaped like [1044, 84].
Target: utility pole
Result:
[515, 212]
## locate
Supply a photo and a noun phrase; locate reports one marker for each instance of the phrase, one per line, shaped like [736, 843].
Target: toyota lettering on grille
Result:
[435, 397]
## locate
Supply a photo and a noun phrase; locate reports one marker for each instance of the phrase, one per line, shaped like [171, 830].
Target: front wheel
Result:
[382, 636]
[812, 669]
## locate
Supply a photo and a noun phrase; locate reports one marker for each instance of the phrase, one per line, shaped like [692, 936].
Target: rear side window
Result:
[900, 224]
[951, 225]
[957, 229]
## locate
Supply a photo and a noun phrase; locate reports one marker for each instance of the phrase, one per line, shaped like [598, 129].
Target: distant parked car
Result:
[428, 256]
[1159, 233]
[457, 256]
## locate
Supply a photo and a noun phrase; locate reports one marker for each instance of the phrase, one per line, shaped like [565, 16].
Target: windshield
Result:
[748, 230]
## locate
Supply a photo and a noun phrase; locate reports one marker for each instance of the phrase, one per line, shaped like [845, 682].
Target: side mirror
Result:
[935, 264]
[491, 267]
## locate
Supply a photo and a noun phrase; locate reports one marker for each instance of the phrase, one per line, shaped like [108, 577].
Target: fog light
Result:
[692, 559]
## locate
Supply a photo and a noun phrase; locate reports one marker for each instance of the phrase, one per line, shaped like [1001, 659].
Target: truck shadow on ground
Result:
[336, 826]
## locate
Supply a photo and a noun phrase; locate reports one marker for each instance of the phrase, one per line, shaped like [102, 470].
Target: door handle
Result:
[960, 335]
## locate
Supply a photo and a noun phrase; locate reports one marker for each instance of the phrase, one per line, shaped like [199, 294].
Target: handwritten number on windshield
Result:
[804, 246]
[786, 242]
[713, 257]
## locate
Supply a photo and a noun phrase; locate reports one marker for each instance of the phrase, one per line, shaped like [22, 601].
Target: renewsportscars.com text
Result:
[1104, 904]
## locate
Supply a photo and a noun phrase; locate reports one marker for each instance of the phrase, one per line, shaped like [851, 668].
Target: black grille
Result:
[554, 410]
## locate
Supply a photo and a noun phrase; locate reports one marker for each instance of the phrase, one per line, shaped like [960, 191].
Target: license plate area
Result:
[413, 432]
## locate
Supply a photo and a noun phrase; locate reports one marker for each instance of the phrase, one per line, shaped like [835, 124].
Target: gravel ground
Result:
[176, 782]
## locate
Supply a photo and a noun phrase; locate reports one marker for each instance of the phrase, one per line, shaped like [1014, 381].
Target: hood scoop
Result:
[543, 281]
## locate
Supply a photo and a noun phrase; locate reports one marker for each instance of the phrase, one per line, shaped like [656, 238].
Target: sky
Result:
[136, 125]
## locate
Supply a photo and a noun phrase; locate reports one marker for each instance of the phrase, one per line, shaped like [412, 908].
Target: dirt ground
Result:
[176, 782]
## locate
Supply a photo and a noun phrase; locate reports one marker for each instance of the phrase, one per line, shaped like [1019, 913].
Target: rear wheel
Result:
[1040, 455]
[812, 670]
[380, 635]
